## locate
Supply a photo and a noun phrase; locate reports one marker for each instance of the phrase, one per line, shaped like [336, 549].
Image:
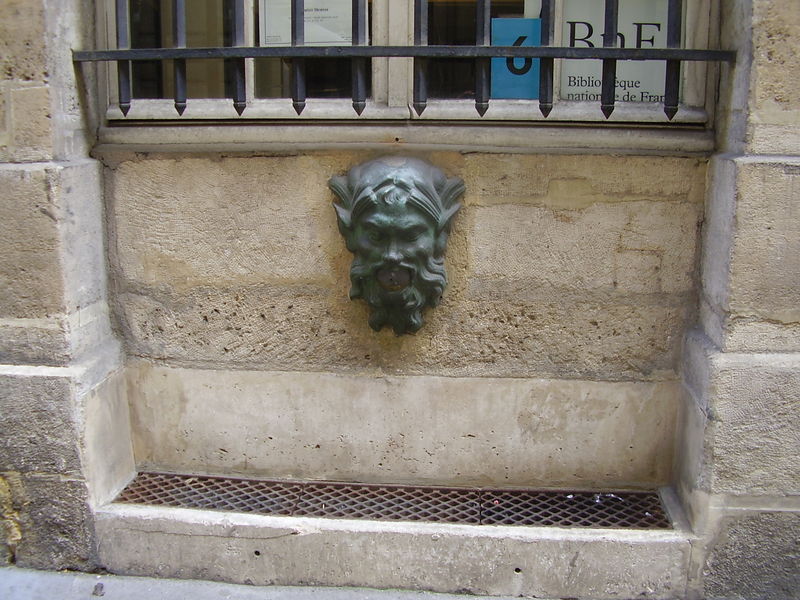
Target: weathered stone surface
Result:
[30, 280]
[31, 131]
[196, 221]
[22, 40]
[106, 442]
[776, 97]
[622, 248]
[37, 424]
[755, 557]
[756, 406]
[766, 252]
[33, 341]
[443, 430]
[564, 182]
[515, 561]
[238, 261]
[55, 522]
[750, 256]
[312, 328]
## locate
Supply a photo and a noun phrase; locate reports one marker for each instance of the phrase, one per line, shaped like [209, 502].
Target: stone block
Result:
[33, 341]
[766, 251]
[623, 248]
[22, 40]
[31, 130]
[776, 97]
[755, 557]
[190, 222]
[486, 561]
[755, 402]
[78, 188]
[750, 256]
[55, 523]
[106, 443]
[37, 422]
[564, 182]
[30, 279]
[436, 430]
[312, 328]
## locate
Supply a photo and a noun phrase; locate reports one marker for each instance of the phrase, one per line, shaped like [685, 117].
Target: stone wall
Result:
[741, 422]
[58, 355]
[552, 360]
[578, 269]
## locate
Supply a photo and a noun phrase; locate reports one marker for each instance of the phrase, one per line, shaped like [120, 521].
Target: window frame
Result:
[391, 101]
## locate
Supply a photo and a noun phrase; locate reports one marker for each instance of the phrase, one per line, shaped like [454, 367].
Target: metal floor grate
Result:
[477, 506]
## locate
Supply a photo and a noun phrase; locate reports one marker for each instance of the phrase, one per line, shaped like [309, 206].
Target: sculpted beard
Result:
[401, 309]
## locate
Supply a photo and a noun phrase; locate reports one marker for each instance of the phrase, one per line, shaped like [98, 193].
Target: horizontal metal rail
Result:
[680, 54]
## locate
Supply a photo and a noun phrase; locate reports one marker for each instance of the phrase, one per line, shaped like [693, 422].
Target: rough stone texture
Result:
[37, 425]
[766, 252]
[237, 261]
[22, 40]
[620, 249]
[106, 440]
[750, 256]
[460, 431]
[775, 96]
[52, 270]
[518, 561]
[756, 407]
[30, 279]
[755, 556]
[31, 131]
[55, 522]
[33, 341]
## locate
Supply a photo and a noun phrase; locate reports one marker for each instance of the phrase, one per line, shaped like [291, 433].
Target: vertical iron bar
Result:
[546, 64]
[483, 37]
[673, 72]
[420, 64]
[123, 66]
[359, 65]
[298, 64]
[179, 40]
[238, 64]
[609, 65]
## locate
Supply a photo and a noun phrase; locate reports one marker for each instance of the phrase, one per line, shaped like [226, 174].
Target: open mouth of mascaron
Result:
[393, 279]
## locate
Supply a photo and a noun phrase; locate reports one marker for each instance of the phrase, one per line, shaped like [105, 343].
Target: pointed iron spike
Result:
[481, 107]
[125, 108]
[359, 107]
[240, 106]
[607, 109]
[298, 107]
[180, 107]
[419, 108]
[670, 111]
[545, 109]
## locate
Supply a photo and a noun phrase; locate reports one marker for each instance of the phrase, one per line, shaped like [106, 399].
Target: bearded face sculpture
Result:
[395, 215]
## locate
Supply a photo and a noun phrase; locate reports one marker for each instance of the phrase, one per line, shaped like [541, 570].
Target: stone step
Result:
[489, 560]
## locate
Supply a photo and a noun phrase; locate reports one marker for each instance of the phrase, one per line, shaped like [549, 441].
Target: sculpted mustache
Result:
[363, 269]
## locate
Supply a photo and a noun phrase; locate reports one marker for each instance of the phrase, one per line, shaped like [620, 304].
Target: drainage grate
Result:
[478, 506]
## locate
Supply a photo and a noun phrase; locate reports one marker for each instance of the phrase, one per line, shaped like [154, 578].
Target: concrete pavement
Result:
[27, 584]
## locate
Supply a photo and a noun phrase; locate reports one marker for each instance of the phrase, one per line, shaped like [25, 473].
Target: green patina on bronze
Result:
[395, 215]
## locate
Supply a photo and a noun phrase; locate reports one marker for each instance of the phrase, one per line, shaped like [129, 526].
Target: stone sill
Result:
[406, 136]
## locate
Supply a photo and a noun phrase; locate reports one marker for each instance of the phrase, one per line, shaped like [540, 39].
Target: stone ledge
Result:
[263, 550]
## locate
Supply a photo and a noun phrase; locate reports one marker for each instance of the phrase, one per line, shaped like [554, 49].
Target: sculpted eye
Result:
[413, 235]
[374, 235]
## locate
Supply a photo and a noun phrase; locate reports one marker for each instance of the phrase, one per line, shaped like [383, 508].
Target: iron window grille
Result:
[361, 53]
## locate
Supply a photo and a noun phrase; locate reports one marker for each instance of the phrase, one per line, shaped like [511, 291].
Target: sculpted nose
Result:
[392, 253]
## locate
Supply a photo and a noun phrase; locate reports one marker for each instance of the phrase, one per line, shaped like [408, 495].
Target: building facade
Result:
[623, 313]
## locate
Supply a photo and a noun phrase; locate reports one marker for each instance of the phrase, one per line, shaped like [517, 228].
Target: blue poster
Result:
[518, 77]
